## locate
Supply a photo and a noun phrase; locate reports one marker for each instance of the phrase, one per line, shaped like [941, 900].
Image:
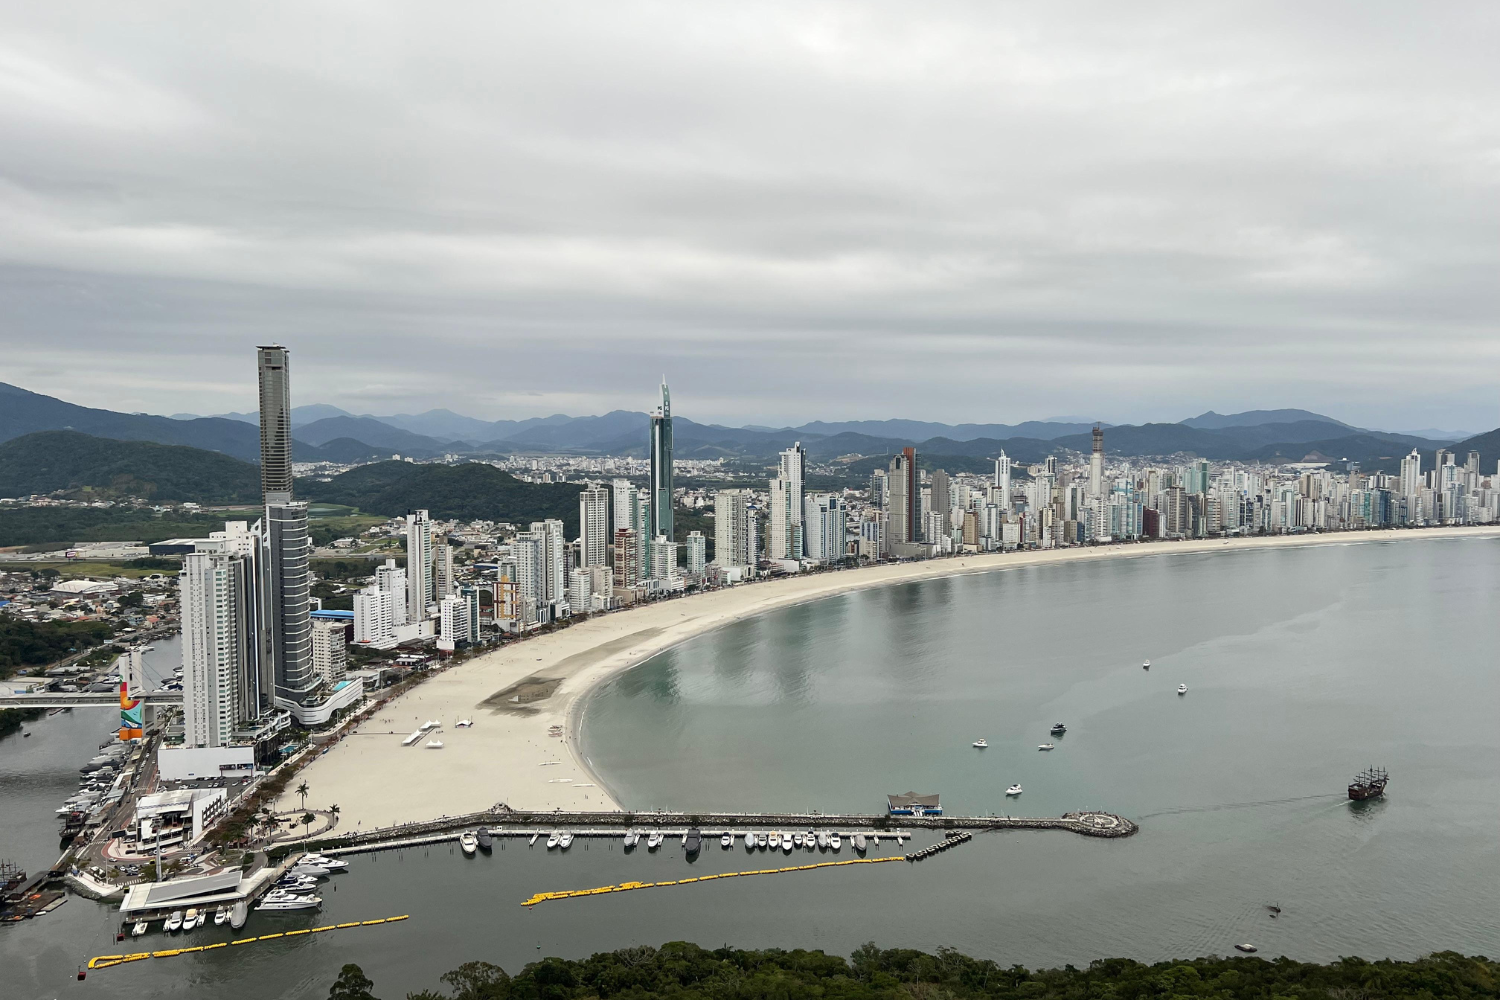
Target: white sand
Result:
[509, 757]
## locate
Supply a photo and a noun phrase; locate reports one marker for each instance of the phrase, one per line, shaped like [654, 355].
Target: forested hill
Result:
[687, 972]
[89, 466]
[467, 492]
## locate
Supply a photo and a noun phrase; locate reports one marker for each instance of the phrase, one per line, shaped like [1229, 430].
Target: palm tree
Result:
[333, 812]
[307, 819]
[302, 791]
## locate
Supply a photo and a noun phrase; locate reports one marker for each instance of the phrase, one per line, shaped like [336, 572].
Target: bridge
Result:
[85, 699]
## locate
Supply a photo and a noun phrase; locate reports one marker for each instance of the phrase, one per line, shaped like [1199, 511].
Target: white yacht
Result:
[1046, 746]
[221, 916]
[727, 840]
[310, 871]
[786, 843]
[138, 929]
[1013, 790]
[565, 841]
[468, 843]
[174, 922]
[552, 839]
[835, 842]
[324, 861]
[797, 840]
[653, 840]
[810, 840]
[190, 920]
[1182, 689]
[775, 842]
[981, 743]
[859, 842]
[1146, 665]
[287, 901]
[749, 842]
[823, 839]
[532, 841]
[632, 838]
[761, 840]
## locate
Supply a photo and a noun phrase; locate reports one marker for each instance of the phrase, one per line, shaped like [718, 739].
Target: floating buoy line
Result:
[543, 897]
[105, 961]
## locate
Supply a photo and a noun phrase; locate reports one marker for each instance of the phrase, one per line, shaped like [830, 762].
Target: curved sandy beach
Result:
[508, 755]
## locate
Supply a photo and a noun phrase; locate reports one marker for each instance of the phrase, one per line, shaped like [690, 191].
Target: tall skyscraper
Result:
[593, 526]
[443, 583]
[785, 539]
[554, 556]
[1096, 464]
[942, 497]
[1411, 482]
[734, 543]
[274, 365]
[905, 503]
[419, 590]
[216, 588]
[1002, 481]
[826, 523]
[661, 467]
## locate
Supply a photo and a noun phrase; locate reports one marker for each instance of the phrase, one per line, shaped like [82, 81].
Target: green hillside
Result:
[471, 491]
[86, 466]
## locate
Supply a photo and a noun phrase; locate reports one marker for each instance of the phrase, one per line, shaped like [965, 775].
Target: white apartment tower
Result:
[330, 650]
[374, 623]
[1002, 481]
[594, 532]
[219, 645]
[391, 578]
[419, 592]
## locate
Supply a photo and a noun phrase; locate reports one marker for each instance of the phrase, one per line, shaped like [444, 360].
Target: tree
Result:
[333, 813]
[307, 819]
[302, 791]
[478, 981]
[352, 984]
[134, 599]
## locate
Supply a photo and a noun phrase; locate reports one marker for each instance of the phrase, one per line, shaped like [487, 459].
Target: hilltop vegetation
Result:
[34, 644]
[100, 468]
[685, 971]
[472, 491]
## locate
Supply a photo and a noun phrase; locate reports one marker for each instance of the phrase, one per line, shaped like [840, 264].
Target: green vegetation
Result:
[35, 644]
[325, 529]
[687, 972]
[472, 491]
[100, 468]
[65, 525]
[75, 568]
[11, 718]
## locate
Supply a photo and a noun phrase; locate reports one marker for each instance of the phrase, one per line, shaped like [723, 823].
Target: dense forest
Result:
[471, 491]
[32, 644]
[91, 467]
[688, 972]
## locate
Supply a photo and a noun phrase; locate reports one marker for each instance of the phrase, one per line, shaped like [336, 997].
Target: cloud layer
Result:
[960, 211]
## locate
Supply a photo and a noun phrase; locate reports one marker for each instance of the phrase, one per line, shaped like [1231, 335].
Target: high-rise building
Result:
[627, 559]
[1002, 481]
[664, 559]
[826, 522]
[593, 526]
[1411, 483]
[554, 560]
[419, 585]
[1096, 464]
[785, 537]
[661, 467]
[288, 606]
[581, 590]
[330, 649]
[529, 549]
[734, 543]
[879, 488]
[792, 471]
[373, 624]
[453, 621]
[443, 583]
[905, 499]
[219, 642]
[942, 498]
[697, 554]
[274, 365]
[391, 578]
[623, 494]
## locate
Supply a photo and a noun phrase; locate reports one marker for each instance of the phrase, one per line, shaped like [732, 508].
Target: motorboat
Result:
[1058, 729]
[486, 842]
[859, 842]
[1248, 949]
[274, 901]
[532, 841]
[726, 841]
[631, 839]
[1013, 790]
[653, 840]
[312, 871]
[835, 842]
[463, 724]
[810, 840]
[174, 922]
[749, 842]
[797, 840]
[981, 744]
[434, 744]
[875, 838]
[1182, 689]
[138, 929]
[238, 914]
[823, 840]
[775, 842]
[221, 916]
[1146, 665]
[468, 843]
[565, 841]
[552, 839]
[324, 861]
[694, 842]
[1046, 746]
[786, 843]
[296, 884]
[761, 840]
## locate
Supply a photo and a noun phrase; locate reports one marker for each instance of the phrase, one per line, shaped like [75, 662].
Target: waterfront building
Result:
[391, 578]
[289, 604]
[529, 552]
[1002, 481]
[216, 589]
[664, 559]
[330, 647]
[627, 560]
[593, 526]
[419, 584]
[905, 499]
[581, 590]
[826, 522]
[941, 499]
[443, 583]
[879, 488]
[734, 529]
[697, 554]
[1096, 463]
[454, 622]
[374, 623]
[785, 539]
[661, 467]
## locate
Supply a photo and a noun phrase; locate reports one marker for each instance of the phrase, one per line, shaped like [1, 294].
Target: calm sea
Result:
[1303, 666]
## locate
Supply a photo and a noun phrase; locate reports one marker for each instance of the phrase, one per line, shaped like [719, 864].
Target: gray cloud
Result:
[960, 211]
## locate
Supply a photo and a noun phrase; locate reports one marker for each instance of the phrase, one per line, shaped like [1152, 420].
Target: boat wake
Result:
[1238, 805]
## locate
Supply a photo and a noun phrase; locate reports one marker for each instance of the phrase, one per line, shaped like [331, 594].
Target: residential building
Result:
[697, 554]
[593, 526]
[330, 648]
[419, 584]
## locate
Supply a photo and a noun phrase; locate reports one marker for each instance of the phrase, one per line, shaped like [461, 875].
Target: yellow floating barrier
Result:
[542, 897]
[270, 937]
[106, 961]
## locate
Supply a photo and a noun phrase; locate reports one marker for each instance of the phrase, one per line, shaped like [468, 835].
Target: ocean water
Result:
[1303, 665]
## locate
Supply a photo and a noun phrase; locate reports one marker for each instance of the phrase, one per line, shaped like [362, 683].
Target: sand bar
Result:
[515, 694]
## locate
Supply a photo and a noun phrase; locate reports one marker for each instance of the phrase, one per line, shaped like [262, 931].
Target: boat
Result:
[875, 838]
[324, 861]
[138, 929]
[1368, 784]
[532, 841]
[823, 840]
[468, 843]
[859, 842]
[174, 922]
[296, 884]
[631, 839]
[1058, 729]
[694, 842]
[786, 843]
[1046, 746]
[221, 916]
[1013, 790]
[552, 839]
[565, 841]
[810, 840]
[761, 840]
[775, 842]
[434, 744]
[653, 841]
[727, 840]
[192, 919]
[486, 842]
[1249, 949]
[981, 744]
[314, 871]
[1182, 689]
[749, 842]
[797, 840]
[238, 914]
[274, 901]
[1146, 665]
[835, 842]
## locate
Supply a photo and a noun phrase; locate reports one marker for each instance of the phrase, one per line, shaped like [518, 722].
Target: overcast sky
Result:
[957, 212]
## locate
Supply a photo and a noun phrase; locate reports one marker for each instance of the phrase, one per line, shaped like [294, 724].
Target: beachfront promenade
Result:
[509, 756]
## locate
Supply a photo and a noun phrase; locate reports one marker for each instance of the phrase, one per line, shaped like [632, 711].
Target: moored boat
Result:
[277, 901]
[190, 920]
[653, 841]
[631, 839]
[325, 862]
[174, 922]
[761, 840]
[1013, 790]
[859, 842]
[468, 843]
[749, 842]
[694, 842]
[727, 840]
[138, 929]
[835, 842]
[823, 839]
[565, 841]
[486, 842]
[552, 839]
[775, 842]
[221, 916]
[797, 839]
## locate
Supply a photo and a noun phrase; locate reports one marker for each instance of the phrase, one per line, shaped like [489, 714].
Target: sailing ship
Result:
[1368, 784]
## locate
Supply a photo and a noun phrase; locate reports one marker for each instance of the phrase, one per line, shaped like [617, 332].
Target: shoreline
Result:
[507, 756]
